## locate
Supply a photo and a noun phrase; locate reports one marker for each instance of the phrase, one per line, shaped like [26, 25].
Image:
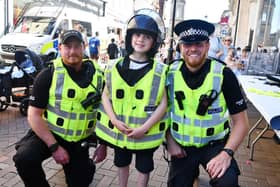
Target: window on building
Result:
[269, 28]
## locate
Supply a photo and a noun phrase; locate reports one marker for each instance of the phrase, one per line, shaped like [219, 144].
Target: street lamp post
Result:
[236, 25]
[170, 50]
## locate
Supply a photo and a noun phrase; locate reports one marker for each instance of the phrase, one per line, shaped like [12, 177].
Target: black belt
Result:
[215, 142]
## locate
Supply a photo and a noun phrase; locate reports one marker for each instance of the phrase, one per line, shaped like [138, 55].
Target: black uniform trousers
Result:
[183, 171]
[32, 151]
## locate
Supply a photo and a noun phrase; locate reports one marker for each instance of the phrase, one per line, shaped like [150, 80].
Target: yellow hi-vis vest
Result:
[133, 105]
[65, 114]
[187, 127]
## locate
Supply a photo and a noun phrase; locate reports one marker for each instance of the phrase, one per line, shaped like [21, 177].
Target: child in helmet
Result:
[132, 117]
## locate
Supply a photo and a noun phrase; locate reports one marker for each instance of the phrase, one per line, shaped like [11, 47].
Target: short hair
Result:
[227, 38]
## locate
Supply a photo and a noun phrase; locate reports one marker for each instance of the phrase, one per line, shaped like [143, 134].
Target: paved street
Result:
[263, 172]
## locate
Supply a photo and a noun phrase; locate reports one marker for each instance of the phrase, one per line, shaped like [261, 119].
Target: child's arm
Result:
[155, 117]
[173, 148]
[110, 112]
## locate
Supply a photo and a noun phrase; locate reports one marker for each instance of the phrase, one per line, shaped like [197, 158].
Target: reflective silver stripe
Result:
[59, 112]
[206, 140]
[109, 132]
[154, 90]
[87, 132]
[217, 82]
[101, 108]
[59, 86]
[108, 77]
[78, 132]
[141, 121]
[136, 120]
[159, 68]
[171, 86]
[217, 87]
[218, 68]
[82, 116]
[209, 123]
[60, 130]
[198, 140]
[59, 68]
[88, 116]
[178, 136]
[120, 117]
[175, 65]
[179, 119]
[146, 138]
[109, 83]
[155, 84]
[199, 123]
[99, 83]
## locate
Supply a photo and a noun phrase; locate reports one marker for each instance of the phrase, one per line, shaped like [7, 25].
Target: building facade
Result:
[255, 23]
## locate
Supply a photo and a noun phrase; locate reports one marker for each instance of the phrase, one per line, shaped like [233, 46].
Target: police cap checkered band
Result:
[194, 30]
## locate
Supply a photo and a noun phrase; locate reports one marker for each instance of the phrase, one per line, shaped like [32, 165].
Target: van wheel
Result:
[3, 103]
[23, 107]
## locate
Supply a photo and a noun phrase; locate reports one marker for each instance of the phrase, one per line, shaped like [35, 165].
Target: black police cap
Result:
[194, 30]
[71, 34]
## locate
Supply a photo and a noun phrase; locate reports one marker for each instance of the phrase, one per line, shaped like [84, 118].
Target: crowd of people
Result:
[193, 104]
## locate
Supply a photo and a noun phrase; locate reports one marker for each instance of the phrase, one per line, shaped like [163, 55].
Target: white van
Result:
[40, 25]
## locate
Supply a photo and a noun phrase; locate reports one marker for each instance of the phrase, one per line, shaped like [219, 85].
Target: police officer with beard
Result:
[60, 119]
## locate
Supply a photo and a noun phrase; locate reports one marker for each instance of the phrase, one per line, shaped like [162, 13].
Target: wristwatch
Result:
[230, 152]
[53, 147]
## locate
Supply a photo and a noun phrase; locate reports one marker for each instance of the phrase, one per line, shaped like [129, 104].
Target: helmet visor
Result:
[156, 17]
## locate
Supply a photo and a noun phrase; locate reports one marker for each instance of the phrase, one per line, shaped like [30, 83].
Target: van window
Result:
[86, 25]
[63, 26]
[35, 25]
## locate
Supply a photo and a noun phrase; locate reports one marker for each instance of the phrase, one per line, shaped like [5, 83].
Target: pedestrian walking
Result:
[113, 50]
[94, 47]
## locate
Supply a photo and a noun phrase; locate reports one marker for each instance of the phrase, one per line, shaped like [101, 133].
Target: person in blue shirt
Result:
[94, 47]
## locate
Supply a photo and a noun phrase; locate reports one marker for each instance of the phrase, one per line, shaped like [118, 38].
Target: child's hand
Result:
[137, 133]
[100, 153]
[123, 128]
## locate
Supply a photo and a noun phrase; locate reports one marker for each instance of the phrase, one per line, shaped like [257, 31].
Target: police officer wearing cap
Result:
[208, 119]
[59, 118]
